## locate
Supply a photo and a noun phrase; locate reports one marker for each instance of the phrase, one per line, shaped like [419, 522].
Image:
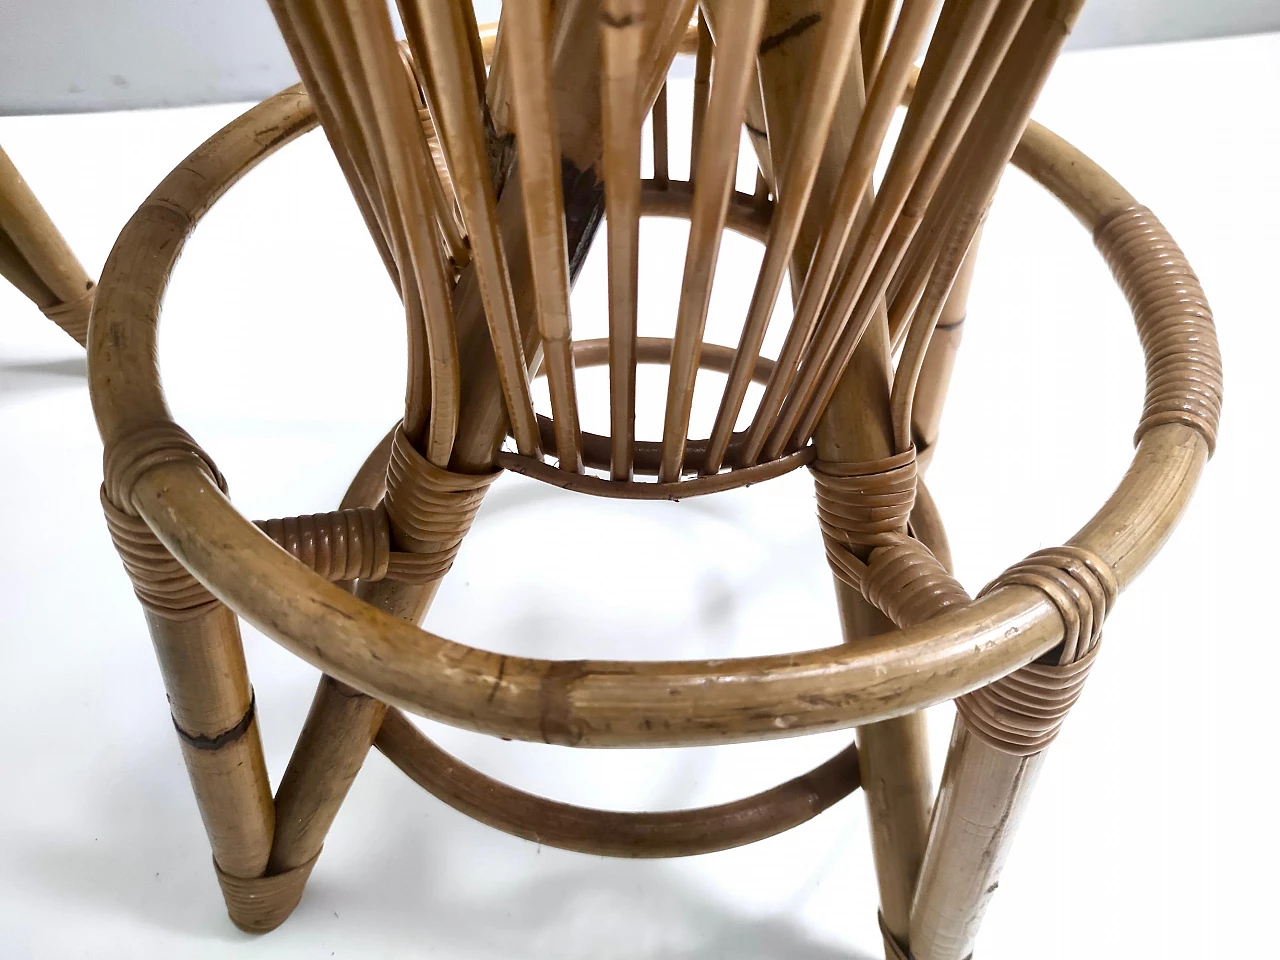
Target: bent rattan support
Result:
[677, 833]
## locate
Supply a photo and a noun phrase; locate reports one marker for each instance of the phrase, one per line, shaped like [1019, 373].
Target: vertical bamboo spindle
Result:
[437, 33]
[621, 38]
[734, 69]
[538, 145]
[701, 94]
[951, 50]
[576, 81]
[828, 228]
[877, 22]
[661, 148]
[817, 107]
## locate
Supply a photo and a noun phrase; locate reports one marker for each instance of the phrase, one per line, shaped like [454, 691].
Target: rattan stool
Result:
[483, 205]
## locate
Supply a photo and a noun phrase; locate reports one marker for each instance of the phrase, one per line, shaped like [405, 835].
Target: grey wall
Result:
[1113, 23]
[74, 55]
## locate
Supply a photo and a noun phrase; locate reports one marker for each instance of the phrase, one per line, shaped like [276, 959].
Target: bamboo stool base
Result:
[194, 561]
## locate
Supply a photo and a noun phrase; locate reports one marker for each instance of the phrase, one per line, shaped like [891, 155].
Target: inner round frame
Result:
[586, 702]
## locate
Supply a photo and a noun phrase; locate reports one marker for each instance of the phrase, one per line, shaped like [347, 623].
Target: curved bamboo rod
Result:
[609, 833]
[587, 703]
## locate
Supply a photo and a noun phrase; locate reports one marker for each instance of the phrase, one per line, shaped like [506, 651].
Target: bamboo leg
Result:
[338, 731]
[998, 744]
[341, 725]
[36, 259]
[197, 644]
[894, 753]
[211, 702]
[981, 801]
[330, 752]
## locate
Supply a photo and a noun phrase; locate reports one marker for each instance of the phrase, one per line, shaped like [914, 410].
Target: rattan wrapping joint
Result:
[134, 453]
[261, 904]
[865, 504]
[908, 584]
[73, 316]
[162, 584]
[1022, 713]
[430, 510]
[1175, 324]
[353, 544]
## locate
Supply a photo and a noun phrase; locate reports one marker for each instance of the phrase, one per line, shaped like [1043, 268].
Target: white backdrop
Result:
[1153, 831]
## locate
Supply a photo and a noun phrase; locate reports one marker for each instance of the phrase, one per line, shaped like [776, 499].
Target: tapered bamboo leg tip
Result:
[261, 904]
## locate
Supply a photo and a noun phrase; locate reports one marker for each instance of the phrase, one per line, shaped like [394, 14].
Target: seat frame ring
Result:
[589, 703]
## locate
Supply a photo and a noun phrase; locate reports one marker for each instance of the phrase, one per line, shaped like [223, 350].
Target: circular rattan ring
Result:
[590, 702]
[595, 448]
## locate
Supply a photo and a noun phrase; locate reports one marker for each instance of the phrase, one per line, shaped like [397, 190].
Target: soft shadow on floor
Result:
[138, 850]
[18, 378]
[592, 911]
[145, 856]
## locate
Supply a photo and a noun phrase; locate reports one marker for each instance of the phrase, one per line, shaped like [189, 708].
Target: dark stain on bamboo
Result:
[200, 742]
[583, 211]
[773, 42]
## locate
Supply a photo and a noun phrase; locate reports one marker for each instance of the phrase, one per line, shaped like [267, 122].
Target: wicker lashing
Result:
[73, 317]
[1023, 712]
[163, 585]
